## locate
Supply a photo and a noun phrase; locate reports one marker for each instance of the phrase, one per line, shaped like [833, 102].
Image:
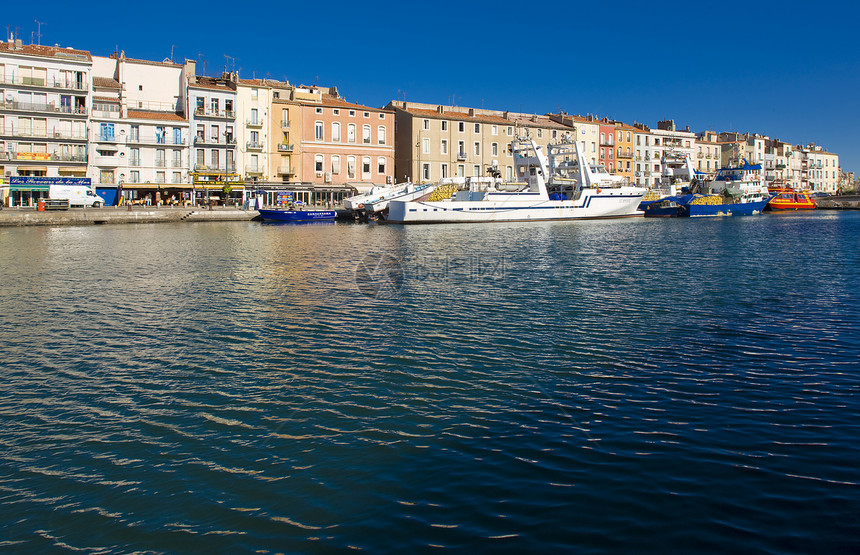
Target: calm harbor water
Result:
[625, 385]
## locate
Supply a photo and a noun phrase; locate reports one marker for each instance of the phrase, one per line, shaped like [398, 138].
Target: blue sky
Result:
[789, 70]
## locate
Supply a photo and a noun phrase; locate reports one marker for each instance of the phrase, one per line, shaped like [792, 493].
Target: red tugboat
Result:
[788, 199]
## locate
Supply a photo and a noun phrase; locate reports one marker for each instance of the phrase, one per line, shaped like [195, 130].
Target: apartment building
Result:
[344, 144]
[212, 110]
[624, 150]
[139, 133]
[777, 161]
[819, 169]
[708, 153]
[44, 108]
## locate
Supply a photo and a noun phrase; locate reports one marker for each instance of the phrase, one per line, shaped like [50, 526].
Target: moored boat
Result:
[557, 185]
[280, 215]
[736, 191]
[787, 199]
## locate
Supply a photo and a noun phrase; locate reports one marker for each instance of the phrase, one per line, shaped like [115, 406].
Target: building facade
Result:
[45, 101]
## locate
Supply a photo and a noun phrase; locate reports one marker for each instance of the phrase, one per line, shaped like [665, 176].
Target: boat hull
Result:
[684, 207]
[618, 203]
[297, 215]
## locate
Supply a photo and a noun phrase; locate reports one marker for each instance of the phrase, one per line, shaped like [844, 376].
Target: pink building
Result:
[345, 144]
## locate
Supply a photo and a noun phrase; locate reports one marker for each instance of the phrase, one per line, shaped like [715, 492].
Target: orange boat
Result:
[788, 199]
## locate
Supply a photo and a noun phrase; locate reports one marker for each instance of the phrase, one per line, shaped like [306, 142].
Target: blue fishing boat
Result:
[277, 215]
[736, 191]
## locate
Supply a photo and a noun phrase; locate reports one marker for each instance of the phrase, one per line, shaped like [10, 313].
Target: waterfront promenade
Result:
[121, 215]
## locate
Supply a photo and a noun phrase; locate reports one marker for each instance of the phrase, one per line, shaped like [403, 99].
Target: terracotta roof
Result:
[106, 98]
[161, 116]
[337, 102]
[203, 82]
[47, 51]
[265, 83]
[166, 62]
[106, 82]
[453, 115]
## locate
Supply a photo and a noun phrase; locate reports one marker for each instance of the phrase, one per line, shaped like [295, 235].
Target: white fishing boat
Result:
[410, 191]
[557, 185]
[356, 203]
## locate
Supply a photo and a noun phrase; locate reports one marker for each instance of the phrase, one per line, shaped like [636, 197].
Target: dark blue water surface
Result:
[588, 387]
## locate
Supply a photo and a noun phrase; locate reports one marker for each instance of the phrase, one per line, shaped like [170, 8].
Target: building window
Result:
[495, 149]
[477, 128]
[444, 172]
[540, 133]
[365, 134]
[425, 125]
[319, 110]
[510, 131]
[380, 134]
[134, 176]
[350, 165]
[352, 113]
[254, 113]
[461, 127]
[335, 164]
[444, 125]
[476, 170]
[335, 111]
[461, 170]
[444, 146]
[477, 148]
[367, 114]
[380, 165]
[350, 133]
[425, 145]
[425, 172]
[461, 148]
[159, 135]
[318, 130]
[335, 132]
[318, 163]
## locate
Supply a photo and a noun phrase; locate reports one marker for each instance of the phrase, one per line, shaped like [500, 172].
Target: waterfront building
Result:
[646, 174]
[820, 171]
[607, 144]
[44, 108]
[585, 129]
[139, 132]
[707, 153]
[625, 150]
[436, 141]
[212, 108]
[777, 161]
[344, 144]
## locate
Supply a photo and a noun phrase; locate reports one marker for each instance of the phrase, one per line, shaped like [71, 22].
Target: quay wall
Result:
[95, 216]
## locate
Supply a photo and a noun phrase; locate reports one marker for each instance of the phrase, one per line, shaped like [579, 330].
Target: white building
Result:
[212, 107]
[139, 137]
[44, 107]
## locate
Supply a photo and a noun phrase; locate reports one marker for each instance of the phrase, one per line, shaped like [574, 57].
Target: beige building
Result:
[435, 142]
[819, 170]
[708, 152]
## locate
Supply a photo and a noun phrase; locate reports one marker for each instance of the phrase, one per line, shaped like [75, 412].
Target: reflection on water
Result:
[589, 386]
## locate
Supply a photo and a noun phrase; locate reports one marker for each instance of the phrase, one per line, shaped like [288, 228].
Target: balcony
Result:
[285, 124]
[221, 114]
[285, 148]
[254, 171]
[43, 157]
[286, 170]
[31, 134]
[49, 108]
[461, 156]
[254, 123]
[625, 155]
[156, 140]
[253, 145]
[215, 168]
[607, 142]
[53, 83]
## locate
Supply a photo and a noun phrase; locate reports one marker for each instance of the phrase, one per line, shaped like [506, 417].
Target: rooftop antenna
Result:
[172, 46]
[230, 59]
[39, 31]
